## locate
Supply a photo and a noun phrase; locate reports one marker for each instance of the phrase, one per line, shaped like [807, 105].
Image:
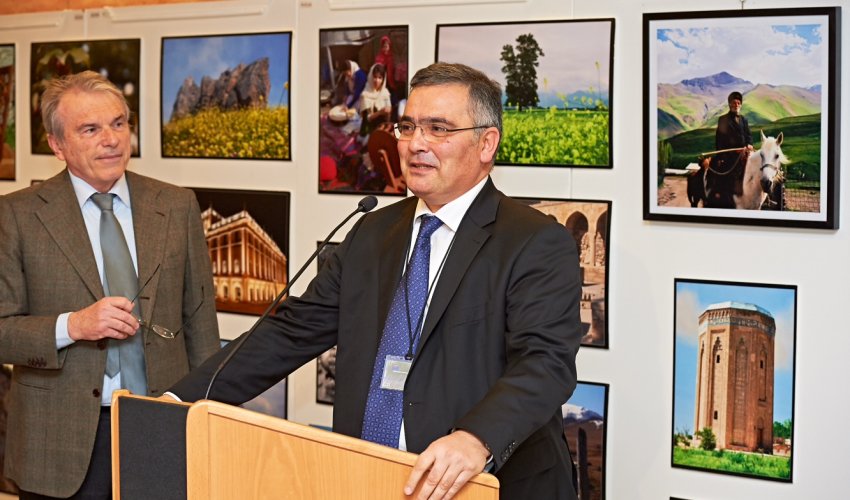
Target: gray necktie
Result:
[126, 356]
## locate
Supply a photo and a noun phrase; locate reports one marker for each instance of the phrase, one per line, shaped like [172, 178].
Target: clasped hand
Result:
[109, 317]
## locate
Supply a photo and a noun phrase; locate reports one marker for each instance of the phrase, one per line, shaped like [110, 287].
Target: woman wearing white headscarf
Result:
[375, 103]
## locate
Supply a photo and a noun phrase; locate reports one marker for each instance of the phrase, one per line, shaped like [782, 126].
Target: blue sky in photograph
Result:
[691, 300]
[763, 50]
[590, 396]
[571, 51]
[211, 55]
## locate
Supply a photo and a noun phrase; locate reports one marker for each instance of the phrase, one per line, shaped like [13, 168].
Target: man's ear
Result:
[56, 146]
[489, 142]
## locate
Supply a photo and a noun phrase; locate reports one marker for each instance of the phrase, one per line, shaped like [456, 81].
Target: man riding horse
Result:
[734, 143]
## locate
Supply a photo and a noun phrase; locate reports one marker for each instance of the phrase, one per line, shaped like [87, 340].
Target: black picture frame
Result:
[242, 112]
[233, 218]
[558, 112]
[686, 86]
[734, 351]
[585, 417]
[7, 112]
[358, 151]
[119, 59]
[326, 362]
[589, 221]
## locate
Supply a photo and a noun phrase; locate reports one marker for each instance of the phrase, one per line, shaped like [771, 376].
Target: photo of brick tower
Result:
[736, 345]
[734, 378]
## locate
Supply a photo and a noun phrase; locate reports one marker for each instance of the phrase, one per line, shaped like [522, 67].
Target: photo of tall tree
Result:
[556, 79]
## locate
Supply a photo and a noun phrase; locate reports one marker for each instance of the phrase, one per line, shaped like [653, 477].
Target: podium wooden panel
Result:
[236, 453]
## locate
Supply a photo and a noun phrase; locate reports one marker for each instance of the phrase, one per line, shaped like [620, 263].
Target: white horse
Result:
[763, 177]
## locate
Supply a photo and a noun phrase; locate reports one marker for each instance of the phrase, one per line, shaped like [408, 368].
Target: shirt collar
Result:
[83, 190]
[451, 214]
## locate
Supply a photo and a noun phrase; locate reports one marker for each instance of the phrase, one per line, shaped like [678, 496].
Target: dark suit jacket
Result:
[48, 268]
[731, 133]
[498, 347]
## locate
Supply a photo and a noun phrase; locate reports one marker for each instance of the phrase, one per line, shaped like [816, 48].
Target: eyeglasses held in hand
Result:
[432, 132]
[160, 330]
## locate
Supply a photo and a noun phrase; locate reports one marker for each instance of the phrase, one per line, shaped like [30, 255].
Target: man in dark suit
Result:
[494, 358]
[725, 177]
[57, 326]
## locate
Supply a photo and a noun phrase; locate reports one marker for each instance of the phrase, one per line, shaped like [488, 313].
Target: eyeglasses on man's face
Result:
[432, 132]
[160, 330]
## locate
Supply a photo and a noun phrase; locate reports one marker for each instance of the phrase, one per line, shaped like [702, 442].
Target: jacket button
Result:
[95, 393]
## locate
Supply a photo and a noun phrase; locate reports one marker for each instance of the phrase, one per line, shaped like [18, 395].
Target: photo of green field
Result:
[226, 96]
[556, 78]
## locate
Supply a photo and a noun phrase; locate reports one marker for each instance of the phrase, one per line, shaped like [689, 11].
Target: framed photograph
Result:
[741, 116]
[363, 84]
[118, 60]
[226, 96]
[326, 363]
[586, 429]
[7, 112]
[556, 79]
[271, 402]
[733, 378]
[589, 221]
[248, 237]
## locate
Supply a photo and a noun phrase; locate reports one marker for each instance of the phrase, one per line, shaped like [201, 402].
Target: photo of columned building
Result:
[249, 268]
[588, 222]
[734, 386]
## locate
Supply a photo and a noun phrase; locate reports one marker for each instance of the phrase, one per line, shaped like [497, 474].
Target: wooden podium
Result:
[210, 450]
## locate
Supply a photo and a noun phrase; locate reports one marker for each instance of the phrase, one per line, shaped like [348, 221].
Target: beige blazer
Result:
[47, 268]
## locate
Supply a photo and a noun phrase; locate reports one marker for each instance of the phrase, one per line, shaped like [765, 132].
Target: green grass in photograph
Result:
[800, 143]
[555, 137]
[735, 462]
[244, 133]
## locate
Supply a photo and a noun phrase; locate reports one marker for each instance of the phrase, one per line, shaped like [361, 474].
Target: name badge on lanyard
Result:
[396, 369]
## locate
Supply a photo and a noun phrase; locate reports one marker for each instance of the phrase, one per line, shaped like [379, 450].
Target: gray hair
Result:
[86, 81]
[485, 94]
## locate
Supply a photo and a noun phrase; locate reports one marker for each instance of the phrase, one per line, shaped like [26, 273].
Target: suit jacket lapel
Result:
[469, 239]
[63, 220]
[150, 225]
[391, 262]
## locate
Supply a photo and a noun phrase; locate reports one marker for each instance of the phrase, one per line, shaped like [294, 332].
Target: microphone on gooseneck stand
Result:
[365, 205]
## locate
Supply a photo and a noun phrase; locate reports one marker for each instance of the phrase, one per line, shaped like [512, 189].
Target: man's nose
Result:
[109, 136]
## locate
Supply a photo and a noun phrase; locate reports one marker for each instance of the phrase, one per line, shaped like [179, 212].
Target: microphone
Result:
[365, 205]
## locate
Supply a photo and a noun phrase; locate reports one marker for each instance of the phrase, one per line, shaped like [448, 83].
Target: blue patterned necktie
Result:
[124, 356]
[382, 419]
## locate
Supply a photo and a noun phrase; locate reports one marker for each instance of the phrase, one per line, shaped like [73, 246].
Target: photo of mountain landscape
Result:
[585, 426]
[781, 63]
[226, 96]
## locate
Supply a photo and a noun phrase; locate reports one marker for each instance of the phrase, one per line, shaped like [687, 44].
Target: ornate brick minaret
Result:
[734, 387]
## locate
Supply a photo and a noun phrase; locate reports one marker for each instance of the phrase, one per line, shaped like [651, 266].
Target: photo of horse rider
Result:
[733, 143]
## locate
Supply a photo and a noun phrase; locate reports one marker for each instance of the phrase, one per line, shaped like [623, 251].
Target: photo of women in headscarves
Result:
[363, 86]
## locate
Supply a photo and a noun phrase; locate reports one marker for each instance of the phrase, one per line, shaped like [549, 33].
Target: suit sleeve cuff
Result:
[63, 339]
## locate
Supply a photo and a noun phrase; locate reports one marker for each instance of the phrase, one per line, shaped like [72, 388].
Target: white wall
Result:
[644, 257]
